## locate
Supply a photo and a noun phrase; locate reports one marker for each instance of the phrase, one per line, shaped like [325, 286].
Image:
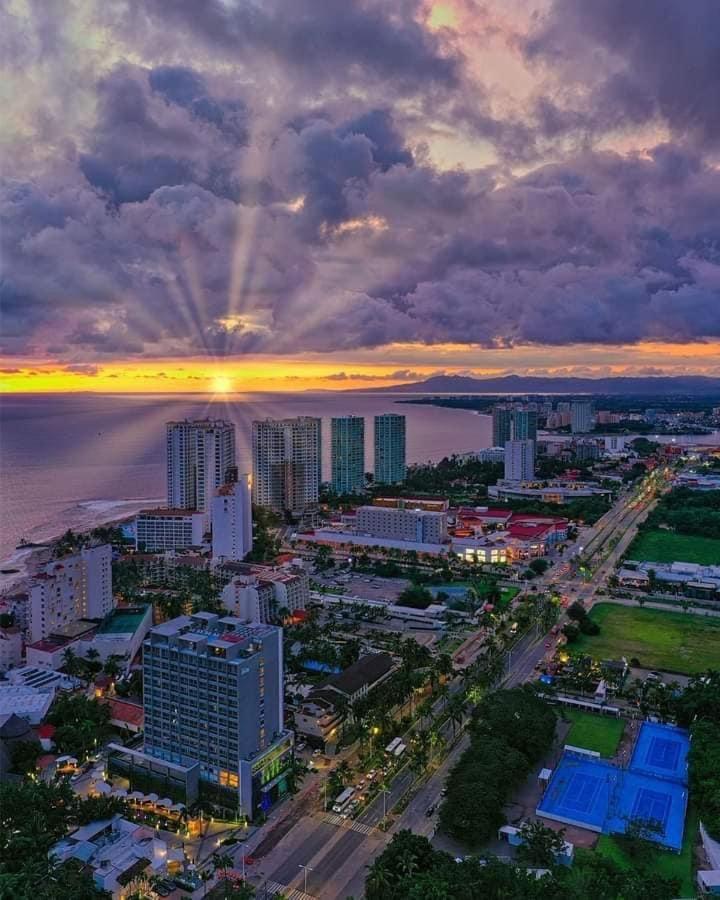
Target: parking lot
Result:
[366, 587]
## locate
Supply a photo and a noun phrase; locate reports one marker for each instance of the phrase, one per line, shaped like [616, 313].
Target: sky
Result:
[237, 195]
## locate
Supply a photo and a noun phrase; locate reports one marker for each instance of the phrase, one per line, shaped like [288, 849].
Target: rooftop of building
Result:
[168, 513]
[27, 702]
[365, 672]
[123, 711]
[227, 490]
[122, 621]
[218, 631]
[201, 423]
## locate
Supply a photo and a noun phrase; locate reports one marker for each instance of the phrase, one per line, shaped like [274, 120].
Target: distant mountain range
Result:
[657, 385]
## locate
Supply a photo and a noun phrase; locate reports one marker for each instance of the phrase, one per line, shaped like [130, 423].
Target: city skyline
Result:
[444, 188]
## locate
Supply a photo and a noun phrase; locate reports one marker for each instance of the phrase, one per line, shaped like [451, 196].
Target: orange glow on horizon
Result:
[393, 364]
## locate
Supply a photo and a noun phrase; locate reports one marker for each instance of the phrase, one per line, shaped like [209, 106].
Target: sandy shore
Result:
[83, 517]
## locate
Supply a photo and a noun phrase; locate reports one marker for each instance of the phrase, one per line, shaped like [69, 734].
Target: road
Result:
[337, 852]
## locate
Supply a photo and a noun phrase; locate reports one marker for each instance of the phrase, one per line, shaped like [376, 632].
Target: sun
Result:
[221, 384]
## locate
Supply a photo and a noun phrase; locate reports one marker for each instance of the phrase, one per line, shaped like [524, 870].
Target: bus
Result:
[399, 750]
[343, 801]
[393, 744]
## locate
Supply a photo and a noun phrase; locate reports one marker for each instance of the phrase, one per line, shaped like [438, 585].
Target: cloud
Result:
[399, 375]
[631, 63]
[262, 178]
[82, 369]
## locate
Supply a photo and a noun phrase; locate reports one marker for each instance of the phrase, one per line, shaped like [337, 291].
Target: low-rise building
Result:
[120, 634]
[416, 525]
[318, 720]
[554, 491]
[118, 851]
[169, 529]
[263, 593]
[362, 676]
[30, 703]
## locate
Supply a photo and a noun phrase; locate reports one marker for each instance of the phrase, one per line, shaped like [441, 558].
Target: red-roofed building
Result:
[45, 734]
[126, 715]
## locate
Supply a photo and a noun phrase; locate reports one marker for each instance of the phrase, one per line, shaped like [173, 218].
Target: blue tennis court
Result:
[579, 791]
[595, 794]
[661, 750]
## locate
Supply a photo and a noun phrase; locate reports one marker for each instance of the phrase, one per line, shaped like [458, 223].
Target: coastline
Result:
[89, 514]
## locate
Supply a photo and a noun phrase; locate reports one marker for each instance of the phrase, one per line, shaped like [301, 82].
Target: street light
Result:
[384, 792]
[305, 869]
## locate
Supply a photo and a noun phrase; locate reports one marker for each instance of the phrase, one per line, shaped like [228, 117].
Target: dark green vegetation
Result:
[410, 869]
[699, 708]
[683, 527]
[82, 725]
[586, 511]
[687, 512]
[33, 816]
[632, 855]
[510, 731]
[669, 641]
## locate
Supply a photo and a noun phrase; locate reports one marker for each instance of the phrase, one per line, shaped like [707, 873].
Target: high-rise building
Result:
[74, 587]
[502, 424]
[213, 701]
[347, 442]
[390, 449]
[512, 422]
[520, 460]
[287, 464]
[200, 457]
[524, 424]
[231, 513]
[581, 416]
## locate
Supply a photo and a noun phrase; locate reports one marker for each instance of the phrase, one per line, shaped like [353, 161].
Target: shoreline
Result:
[97, 513]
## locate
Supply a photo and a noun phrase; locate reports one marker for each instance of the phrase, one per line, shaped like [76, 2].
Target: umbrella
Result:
[151, 798]
[136, 795]
[120, 793]
[177, 807]
[166, 802]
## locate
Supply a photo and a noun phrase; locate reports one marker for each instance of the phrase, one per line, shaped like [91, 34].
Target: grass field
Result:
[594, 732]
[666, 547]
[670, 641]
[664, 862]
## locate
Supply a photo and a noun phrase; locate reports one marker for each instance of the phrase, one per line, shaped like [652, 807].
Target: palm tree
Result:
[70, 661]
[205, 876]
[456, 710]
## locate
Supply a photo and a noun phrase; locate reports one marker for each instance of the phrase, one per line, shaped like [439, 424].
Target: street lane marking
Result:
[273, 888]
[334, 819]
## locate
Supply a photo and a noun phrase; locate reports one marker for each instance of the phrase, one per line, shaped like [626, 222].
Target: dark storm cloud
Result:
[161, 128]
[271, 194]
[368, 41]
[637, 62]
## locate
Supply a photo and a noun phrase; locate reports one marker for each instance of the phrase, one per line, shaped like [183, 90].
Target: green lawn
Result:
[507, 595]
[664, 862]
[594, 732]
[669, 641]
[667, 547]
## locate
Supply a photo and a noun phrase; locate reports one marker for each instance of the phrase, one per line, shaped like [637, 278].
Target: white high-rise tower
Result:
[200, 455]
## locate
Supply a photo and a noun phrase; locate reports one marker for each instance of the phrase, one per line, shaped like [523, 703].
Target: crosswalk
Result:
[361, 827]
[273, 889]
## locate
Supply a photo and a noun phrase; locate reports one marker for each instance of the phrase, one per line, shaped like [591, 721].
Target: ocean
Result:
[75, 460]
